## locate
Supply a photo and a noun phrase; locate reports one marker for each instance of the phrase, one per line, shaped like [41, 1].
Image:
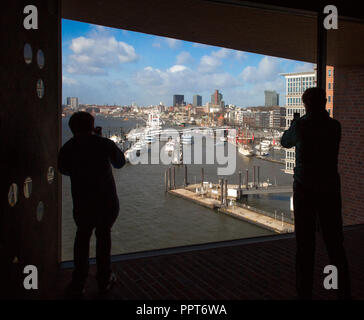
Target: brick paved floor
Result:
[261, 270]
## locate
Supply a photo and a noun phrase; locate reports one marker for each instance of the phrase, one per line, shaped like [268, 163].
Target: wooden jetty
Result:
[222, 197]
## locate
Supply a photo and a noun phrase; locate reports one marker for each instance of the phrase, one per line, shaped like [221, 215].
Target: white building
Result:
[296, 84]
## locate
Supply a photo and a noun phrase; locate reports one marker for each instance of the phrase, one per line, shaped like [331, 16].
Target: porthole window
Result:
[40, 211]
[40, 88]
[28, 54]
[13, 195]
[50, 175]
[28, 187]
[40, 59]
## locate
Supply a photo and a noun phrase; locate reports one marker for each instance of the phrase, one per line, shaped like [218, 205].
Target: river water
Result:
[151, 219]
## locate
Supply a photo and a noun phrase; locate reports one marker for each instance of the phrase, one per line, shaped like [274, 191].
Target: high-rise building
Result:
[271, 98]
[178, 100]
[296, 84]
[197, 100]
[72, 102]
[216, 98]
[216, 104]
[330, 90]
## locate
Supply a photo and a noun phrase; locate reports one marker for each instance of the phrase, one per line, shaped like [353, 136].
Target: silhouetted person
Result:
[86, 158]
[316, 191]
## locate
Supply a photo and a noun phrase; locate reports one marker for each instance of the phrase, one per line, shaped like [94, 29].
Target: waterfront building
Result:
[296, 84]
[277, 117]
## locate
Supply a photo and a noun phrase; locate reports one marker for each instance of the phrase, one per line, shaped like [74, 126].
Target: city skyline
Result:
[112, 66]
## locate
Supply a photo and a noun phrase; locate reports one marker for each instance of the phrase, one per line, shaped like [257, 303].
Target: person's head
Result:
[314, 99]
[81, 122]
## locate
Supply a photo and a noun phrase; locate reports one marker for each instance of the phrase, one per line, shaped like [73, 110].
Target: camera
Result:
[98, 131]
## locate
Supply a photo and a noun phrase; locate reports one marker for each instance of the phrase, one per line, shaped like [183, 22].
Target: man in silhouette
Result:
[316, 191]
[87, 159]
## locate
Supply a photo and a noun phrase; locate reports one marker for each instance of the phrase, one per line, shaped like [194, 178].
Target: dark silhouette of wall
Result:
[29, 142]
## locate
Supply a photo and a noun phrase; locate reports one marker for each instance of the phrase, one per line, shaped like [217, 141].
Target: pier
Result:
[224, 197]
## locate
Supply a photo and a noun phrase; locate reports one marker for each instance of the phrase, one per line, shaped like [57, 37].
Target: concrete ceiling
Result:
[283, 33]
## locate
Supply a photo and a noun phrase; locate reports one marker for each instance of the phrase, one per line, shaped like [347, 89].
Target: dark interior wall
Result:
[29, 143]
[349, 110]
[251, 26]
[231, 26]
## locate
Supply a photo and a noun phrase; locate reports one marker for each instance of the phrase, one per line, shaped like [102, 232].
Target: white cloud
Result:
[201, 45]
[66, 81]
[268, 68]
[208, 64]
[156, 44]
[178, 77]
[240, 55]
[304, 66]
[222, 53]
[177, 68]
[184, 58]
[94, 54]
[173, 43]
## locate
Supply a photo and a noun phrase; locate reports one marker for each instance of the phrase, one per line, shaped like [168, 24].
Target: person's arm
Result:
[62, 163]
[117, 158]
[289, 137]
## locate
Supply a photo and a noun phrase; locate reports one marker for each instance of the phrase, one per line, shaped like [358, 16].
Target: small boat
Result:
[116, 138]
[245, 150]
[262, 152]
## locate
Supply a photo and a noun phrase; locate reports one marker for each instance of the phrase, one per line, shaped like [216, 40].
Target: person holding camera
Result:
[316, 191]
[87, 158]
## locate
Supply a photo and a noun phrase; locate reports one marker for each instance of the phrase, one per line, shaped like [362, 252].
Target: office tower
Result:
[296, 84]
[271, 98]
[197, 100]
[216, 98]
[178, 100]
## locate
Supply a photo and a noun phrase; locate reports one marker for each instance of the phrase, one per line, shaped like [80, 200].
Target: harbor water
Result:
[151, 219]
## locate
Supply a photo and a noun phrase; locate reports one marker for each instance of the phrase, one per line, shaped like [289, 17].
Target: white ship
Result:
[154, 122]
[245, 150]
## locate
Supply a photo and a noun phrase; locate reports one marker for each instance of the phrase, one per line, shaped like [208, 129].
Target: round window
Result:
[13, 195]
[40, 88]
[40, 59]
[28, 54]
[28, 187]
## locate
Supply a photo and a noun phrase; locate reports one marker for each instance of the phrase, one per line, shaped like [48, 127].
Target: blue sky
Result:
[111, 66]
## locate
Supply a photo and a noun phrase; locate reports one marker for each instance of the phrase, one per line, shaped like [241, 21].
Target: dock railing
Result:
[280, 216]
